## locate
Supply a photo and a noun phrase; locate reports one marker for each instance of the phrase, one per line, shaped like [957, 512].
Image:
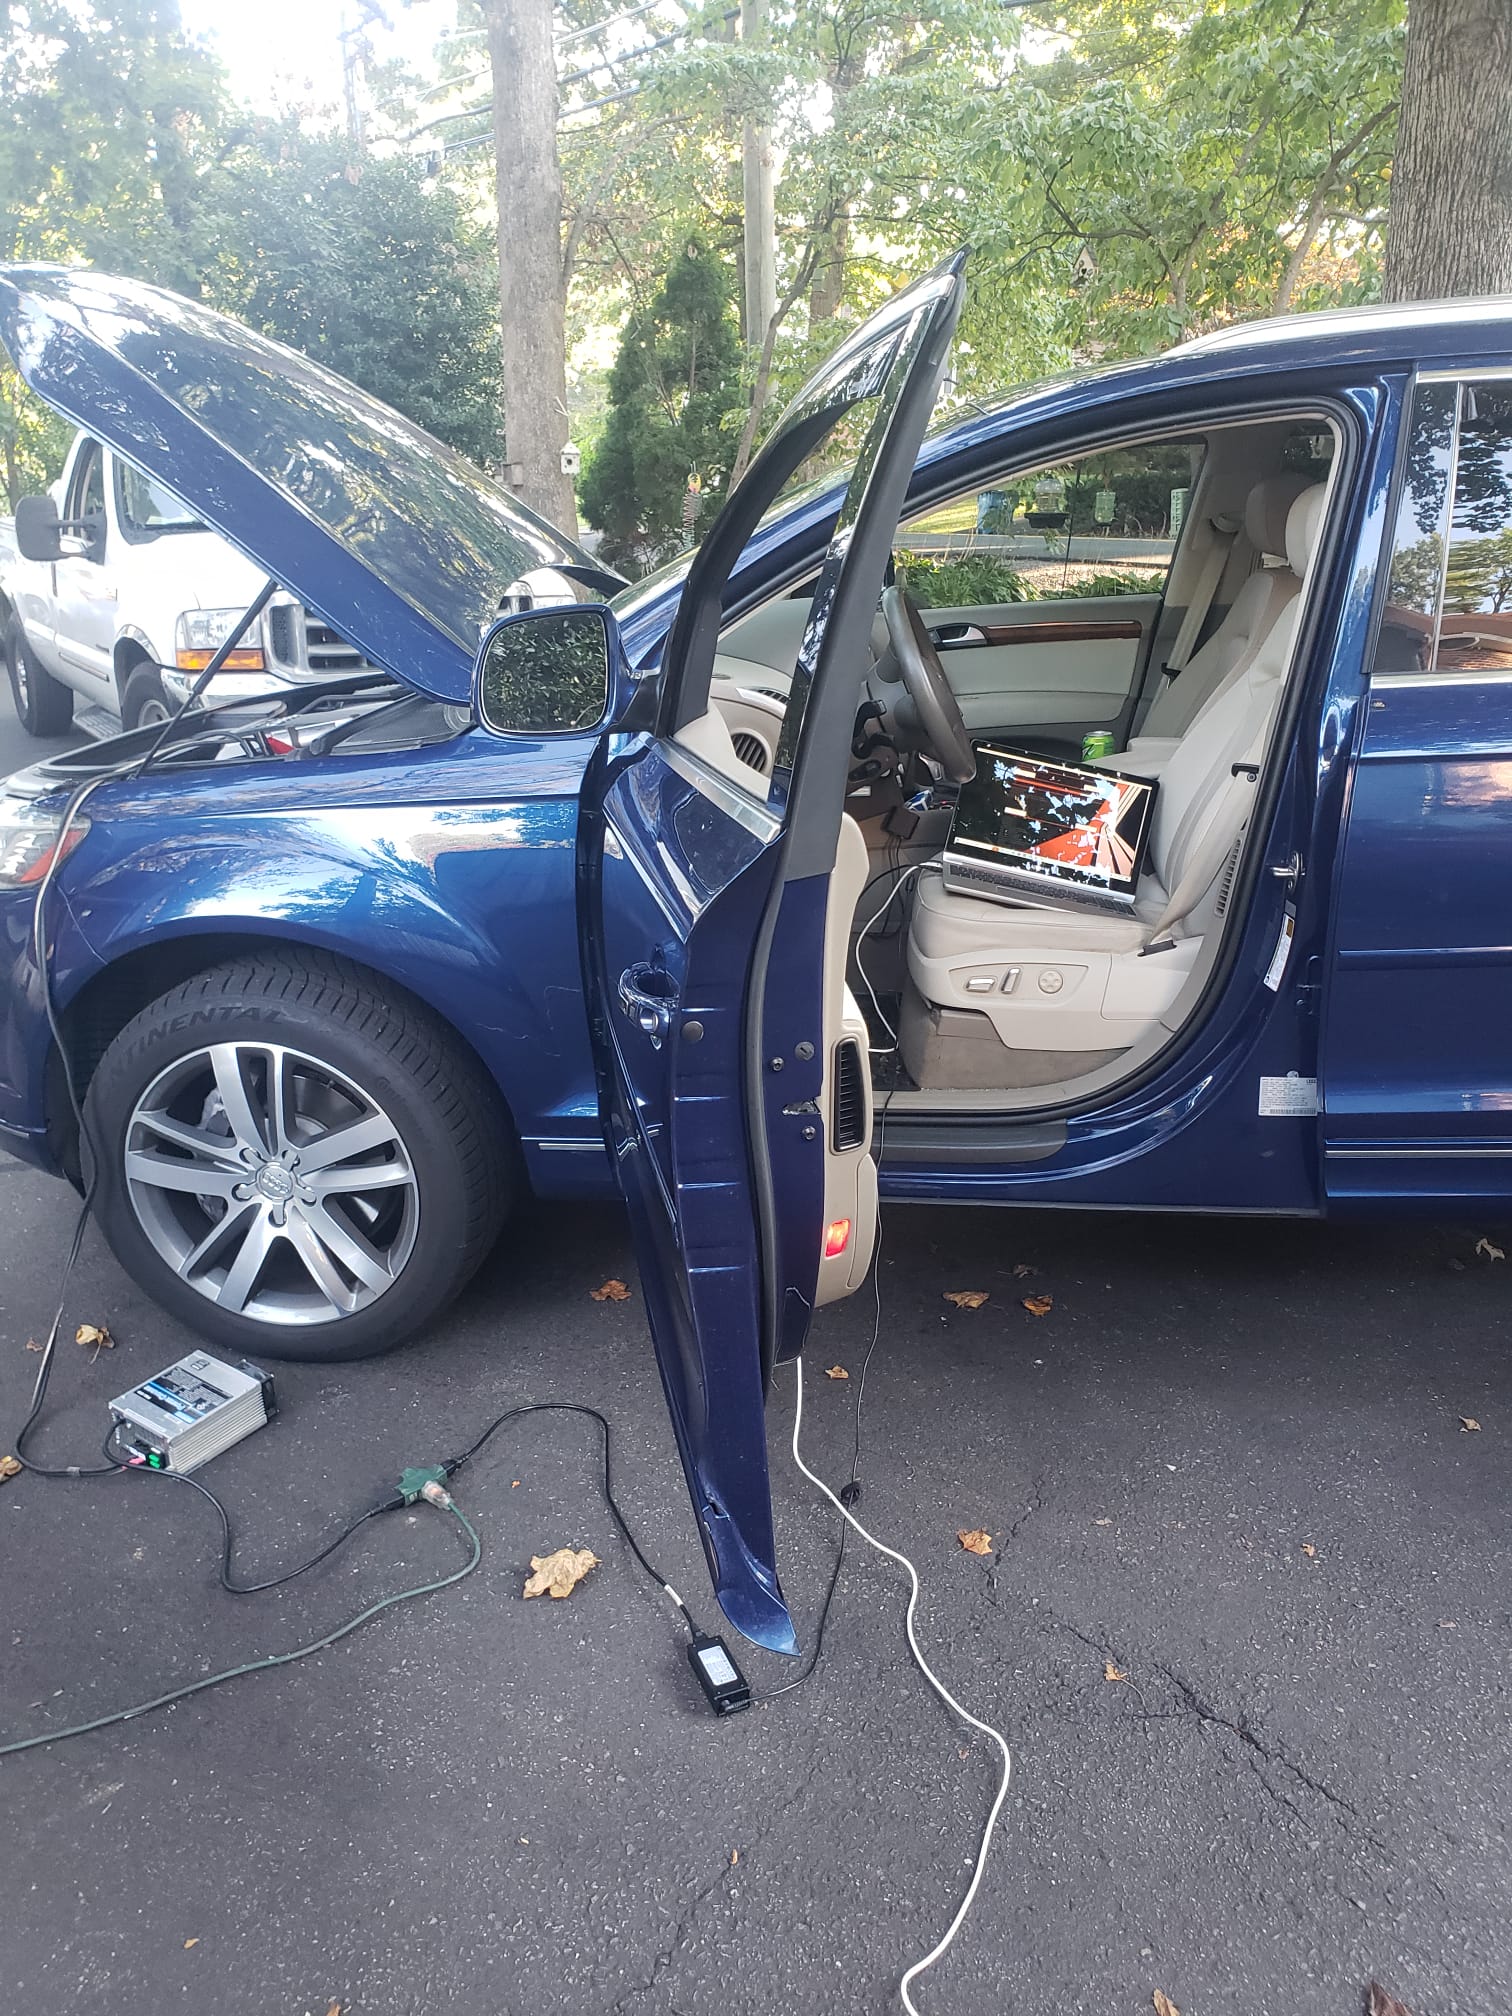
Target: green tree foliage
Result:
[106, 119]
[1179, 163]
[120, 148]
[369, 268]
[673, 392]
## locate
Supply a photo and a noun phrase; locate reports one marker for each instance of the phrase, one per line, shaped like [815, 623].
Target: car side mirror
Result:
[546, 671]
[42, 535]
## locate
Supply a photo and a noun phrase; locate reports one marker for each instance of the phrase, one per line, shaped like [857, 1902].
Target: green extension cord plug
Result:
[412, 1484]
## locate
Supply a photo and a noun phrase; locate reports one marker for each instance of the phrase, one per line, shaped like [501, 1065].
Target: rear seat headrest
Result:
[1266, 509]
[1304, 521]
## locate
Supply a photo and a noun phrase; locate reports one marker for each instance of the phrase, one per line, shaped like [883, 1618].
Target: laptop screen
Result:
[1085, 829]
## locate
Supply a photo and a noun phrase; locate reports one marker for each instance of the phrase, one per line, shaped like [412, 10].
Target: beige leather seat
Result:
[1068, 986]
[1249, 620]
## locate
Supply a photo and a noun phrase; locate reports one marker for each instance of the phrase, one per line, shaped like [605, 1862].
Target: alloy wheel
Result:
[271, 1183]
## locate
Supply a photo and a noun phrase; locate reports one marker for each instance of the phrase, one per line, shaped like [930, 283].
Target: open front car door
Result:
[717, 906]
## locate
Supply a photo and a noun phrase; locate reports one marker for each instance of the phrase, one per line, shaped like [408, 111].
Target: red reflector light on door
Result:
[837, 1237]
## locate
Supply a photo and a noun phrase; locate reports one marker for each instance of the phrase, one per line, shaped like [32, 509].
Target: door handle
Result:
[647, 997]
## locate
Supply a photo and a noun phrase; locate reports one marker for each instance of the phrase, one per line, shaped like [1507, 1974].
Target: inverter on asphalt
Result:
[199, 1406]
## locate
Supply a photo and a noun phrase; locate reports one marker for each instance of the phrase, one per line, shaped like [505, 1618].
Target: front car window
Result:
[87, 492]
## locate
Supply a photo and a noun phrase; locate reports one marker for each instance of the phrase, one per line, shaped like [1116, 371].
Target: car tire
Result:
[44, 706]
[313, 1251]
[144, 704]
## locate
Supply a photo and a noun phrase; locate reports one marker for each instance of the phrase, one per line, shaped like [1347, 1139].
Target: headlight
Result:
[29, 840]
[200, 634]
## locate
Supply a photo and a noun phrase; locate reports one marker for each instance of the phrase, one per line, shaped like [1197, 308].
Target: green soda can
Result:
[1097, 745]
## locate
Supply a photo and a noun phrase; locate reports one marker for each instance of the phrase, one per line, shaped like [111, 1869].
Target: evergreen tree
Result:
[673, 393]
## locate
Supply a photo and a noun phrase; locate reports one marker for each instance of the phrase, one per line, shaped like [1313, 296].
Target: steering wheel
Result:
[939, 717]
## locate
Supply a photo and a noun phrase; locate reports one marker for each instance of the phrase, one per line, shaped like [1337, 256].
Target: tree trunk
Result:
[1450, 226]
[829, 276]
[532, 291]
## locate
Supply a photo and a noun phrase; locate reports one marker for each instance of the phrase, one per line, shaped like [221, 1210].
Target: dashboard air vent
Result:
[751, 750]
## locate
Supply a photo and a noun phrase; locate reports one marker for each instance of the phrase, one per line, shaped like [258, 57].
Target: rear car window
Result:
[1449, 589]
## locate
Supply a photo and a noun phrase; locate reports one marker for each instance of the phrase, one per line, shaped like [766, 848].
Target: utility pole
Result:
[532, 290]
[760, 206]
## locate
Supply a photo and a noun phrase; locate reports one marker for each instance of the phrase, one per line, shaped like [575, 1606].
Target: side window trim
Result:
[1446, 536]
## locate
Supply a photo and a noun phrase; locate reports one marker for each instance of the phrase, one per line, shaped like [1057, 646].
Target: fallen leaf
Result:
[1023, 1270]
[612, 1291]
[559, 1574]
[1112, 1672]
[91, 1334]
[975, 1541]
[1491, 1252]
[836, 1372]
[1469, 1425]
[1039, 1305]
[1382, 2004]
[190, 1942]
[1102, 1522]
[1164, 2006]
[10, 1466]
[334, 2010]
[515, 1485]
[966, 1298]
[32, 1344]
[1309, 1550]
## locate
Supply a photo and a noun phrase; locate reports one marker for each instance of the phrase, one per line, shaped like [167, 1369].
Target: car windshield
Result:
[145, 505]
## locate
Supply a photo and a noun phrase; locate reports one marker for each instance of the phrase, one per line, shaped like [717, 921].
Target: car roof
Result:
[1420, 329]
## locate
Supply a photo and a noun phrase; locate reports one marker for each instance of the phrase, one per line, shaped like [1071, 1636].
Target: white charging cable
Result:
[943, 1944]
[886, 904]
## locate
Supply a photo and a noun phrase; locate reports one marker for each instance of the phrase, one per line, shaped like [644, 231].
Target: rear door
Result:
[717, 910]
[1416, 1068]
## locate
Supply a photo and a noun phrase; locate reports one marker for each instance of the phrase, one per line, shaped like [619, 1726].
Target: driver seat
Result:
[1064, 989]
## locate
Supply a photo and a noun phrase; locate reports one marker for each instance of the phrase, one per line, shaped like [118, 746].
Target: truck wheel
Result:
[43, 705]
[294, 1164]
[144, 704]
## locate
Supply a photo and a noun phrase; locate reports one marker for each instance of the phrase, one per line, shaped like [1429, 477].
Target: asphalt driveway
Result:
[486, 1805]
[483, 1805]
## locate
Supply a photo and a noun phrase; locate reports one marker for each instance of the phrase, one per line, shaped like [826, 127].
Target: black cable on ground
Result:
[393, 1503]
[850, 1492]
[88, 1162]
[453, 1464]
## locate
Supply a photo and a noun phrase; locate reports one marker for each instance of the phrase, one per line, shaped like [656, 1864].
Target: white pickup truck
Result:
[113, 598]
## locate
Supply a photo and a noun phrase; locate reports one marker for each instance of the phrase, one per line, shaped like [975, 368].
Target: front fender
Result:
[471, 908]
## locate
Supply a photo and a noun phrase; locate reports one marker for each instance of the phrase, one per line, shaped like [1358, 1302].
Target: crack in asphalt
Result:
[681, 1932]
[1257, 1753]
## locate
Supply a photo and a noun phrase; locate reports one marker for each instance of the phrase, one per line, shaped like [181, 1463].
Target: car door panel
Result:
[1071, 664]
[714, 945]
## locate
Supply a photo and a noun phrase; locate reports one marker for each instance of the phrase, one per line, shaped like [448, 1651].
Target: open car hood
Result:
[402, 545]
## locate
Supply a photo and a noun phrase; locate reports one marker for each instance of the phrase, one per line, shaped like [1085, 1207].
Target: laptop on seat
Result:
[1055, 834]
